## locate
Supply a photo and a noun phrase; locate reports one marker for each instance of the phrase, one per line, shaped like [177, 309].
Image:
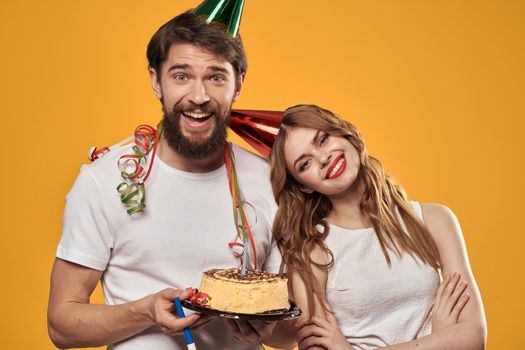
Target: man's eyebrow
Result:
[218, 69]
[313, 142]
[178, 66]
[184, 66]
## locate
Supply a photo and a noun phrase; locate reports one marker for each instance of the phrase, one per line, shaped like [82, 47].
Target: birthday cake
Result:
[257, 292]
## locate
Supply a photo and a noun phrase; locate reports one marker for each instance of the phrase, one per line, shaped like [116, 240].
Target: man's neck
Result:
[177, 161]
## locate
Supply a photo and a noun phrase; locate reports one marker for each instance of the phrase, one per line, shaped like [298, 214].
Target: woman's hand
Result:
[320, 333]
[450, 300]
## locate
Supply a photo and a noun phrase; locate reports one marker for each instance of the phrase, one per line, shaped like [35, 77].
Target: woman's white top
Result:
[375, 304]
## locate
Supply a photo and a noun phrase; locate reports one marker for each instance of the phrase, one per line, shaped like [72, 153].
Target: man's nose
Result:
[198, 94]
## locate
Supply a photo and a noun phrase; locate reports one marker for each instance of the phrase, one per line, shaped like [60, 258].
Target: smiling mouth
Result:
[336, 168]
[197, 117]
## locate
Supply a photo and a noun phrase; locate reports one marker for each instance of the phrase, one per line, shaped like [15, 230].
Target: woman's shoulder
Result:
[319, 255]
[436, 211]
[440, 220]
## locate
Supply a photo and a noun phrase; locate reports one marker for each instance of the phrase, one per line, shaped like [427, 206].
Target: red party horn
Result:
[258, 128]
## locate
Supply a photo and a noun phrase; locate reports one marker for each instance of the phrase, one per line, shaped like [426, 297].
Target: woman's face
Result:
[320, 162]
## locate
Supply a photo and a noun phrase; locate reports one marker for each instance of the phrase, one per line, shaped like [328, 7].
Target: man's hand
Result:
[250, 331]
[320, 333]
[75, 323]
[449, 302]
[160, 311]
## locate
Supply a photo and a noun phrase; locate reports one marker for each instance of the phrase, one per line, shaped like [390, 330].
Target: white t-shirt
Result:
[184, 230]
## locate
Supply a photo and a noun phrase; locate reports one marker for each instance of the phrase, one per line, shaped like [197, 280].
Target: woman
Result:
[363, 261]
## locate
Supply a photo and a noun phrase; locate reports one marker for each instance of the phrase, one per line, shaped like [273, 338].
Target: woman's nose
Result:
[324, 159]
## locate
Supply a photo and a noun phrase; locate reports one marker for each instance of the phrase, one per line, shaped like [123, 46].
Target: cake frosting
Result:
[257, 292]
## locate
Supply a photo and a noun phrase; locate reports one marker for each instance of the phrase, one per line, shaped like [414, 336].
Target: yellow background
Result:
[436, 87]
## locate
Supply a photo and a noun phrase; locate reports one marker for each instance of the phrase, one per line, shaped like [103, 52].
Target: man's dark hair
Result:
[187, 28]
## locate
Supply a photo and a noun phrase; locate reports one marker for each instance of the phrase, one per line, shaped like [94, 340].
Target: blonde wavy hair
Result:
[300, 223]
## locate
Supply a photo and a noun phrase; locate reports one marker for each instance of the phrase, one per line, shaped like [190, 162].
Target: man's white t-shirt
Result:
[184, 230]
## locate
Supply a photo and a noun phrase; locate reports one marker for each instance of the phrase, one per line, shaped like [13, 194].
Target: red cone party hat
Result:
[258, 128]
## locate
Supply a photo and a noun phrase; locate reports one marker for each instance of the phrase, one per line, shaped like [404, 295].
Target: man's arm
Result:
[74, 322]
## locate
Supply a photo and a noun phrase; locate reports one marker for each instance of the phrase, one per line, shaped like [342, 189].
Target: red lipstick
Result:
[332, 166]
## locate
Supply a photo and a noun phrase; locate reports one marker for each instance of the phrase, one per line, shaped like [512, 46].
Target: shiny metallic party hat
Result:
[258, 128]
[228, 12]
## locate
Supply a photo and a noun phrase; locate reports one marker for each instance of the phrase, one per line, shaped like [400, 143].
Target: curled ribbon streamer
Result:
[132, 194]
[132, 191]
[95, 153]
[125, 162]
[245, 232]
[237, 254]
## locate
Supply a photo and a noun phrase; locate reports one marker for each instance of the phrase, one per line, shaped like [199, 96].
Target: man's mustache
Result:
[205, 108]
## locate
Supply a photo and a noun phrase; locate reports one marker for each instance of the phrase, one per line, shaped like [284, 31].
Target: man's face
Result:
[196, 89]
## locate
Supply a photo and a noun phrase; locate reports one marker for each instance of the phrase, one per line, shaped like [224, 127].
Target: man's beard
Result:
[187, 147]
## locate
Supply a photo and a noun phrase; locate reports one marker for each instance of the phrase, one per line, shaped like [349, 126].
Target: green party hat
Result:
[228, 12]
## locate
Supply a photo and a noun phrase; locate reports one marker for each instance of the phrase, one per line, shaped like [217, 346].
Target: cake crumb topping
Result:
[252, 276]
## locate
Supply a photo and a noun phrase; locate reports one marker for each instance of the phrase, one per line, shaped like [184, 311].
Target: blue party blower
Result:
[187, 334]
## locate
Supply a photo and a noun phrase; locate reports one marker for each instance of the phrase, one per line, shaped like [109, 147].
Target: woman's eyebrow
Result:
[313, 142]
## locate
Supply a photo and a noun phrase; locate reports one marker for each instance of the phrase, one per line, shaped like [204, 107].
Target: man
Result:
[146, 259]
